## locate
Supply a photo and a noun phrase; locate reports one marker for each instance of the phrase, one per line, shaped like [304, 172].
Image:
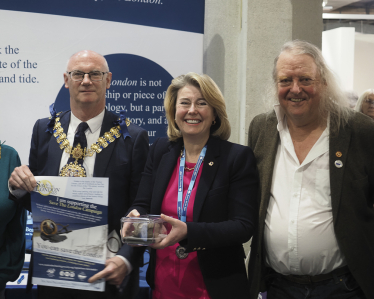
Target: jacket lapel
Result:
[102, 159]
[339, 144]
[270, 147]
[164, 172]
[211, 164]
[54, 151]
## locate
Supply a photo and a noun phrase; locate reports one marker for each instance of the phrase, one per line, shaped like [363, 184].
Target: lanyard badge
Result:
[182, 208]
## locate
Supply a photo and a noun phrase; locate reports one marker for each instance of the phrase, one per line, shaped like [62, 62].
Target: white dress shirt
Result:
[92, 135]
[299, 234]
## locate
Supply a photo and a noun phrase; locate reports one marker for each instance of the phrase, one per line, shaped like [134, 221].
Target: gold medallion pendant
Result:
[73, 170]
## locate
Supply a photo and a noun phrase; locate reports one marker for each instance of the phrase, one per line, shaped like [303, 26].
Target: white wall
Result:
[364, 62]
[338, 48]
[351, 56]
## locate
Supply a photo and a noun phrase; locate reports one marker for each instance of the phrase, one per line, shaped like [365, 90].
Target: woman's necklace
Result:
[189, 169]
[185, 167]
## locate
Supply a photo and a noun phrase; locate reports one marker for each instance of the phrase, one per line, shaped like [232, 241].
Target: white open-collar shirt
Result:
[299, 234]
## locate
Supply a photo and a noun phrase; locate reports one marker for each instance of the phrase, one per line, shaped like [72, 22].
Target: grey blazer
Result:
[352, 194]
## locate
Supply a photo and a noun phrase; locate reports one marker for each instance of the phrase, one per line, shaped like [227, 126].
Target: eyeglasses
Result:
[79, 76]
[301, 82]
[370, 102]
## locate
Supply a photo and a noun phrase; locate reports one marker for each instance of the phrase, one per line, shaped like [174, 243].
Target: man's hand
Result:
[133, 213]
[114, 272]
[177, 233]
[22, 178]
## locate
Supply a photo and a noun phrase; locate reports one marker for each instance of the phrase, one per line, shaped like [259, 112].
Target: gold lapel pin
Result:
[339, 154]
[211, 163]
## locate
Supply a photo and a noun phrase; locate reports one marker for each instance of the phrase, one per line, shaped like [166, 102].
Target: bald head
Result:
[87, 54]
[87, 97]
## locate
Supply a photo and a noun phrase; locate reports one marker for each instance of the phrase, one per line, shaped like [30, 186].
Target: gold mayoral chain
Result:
[75, 169]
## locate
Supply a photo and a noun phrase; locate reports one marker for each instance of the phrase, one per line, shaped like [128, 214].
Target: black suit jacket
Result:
[352, 194]
[122, 162]
[224, 213]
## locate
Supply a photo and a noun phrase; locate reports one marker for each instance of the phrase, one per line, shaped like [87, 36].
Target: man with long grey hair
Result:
[315, 237]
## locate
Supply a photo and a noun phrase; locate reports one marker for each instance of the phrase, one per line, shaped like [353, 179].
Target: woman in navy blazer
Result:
[202, 256]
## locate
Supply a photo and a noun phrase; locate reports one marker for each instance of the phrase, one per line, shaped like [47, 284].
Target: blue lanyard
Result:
[182, 211]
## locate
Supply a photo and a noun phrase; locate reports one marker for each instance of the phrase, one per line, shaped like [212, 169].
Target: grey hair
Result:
[334, 101]
[362, 98]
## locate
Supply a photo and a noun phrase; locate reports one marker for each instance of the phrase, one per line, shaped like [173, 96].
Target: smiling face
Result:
[193, 115]
[299, 88]
[87, 94]
[368, 106]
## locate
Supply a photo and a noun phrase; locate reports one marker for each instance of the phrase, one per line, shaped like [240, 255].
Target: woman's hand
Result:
[177, 233]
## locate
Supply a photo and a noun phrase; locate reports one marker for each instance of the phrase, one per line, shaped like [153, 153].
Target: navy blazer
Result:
[224, 213]
[122, 162]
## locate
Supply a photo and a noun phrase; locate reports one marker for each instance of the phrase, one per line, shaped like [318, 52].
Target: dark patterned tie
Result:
[80, 138]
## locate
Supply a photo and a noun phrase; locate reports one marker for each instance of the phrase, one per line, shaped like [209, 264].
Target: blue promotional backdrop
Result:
[170, 14]
[146, 43]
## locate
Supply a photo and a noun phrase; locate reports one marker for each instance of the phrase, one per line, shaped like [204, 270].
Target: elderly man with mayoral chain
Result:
[315, 237]
[89, 141]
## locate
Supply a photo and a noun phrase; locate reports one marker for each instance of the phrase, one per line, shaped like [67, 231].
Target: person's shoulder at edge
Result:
[9, 150]
[257, 125]
[360, 121]
[263, 116]
[236, 153]
[230, 146]
[362, 129]
[135, 129]
[164, 142]
[43, 122]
